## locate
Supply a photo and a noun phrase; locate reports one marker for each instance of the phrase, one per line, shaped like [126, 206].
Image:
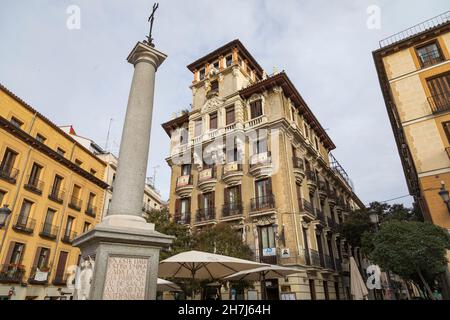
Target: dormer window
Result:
[216, 65]
[256, 109]
[201, 74]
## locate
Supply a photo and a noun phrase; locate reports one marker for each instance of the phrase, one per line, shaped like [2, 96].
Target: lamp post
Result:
[4, 214]
[445, 195]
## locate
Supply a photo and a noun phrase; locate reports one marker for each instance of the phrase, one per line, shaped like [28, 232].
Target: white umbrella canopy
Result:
[357, 285]
[203, 266]
[262, 273]
[166, 285]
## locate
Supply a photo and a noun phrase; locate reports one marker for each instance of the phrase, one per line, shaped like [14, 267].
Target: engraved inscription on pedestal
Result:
[125, 279]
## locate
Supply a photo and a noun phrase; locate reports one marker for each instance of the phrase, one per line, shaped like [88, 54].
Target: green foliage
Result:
[182, 242]
[222, 239]
[355, 226]
[409, 248]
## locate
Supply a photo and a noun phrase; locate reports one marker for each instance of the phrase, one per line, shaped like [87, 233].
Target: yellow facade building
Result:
[54, 187]
[414, 72]
[250, 153]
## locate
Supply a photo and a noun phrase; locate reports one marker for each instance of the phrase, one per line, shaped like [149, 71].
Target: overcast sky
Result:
[81, 77]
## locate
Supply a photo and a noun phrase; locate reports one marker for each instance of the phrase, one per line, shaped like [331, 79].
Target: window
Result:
[446, 126]
[78, 162]
[306, 130]
[184, 135]
[48, 222]
[201, 74]
[207, 201]
[16, 122]
[336, 289]
[60, 151]
[185, 208]
[214, 86]
[429, 54]
[263, 188]
[61, 266]
[233, 196]
[34, 175]
[440, 92]
[325, 290]
[2, 196]
[17, 253]
[9, 158]
[42, 258]
[198, 127]
[232, 154]
[312, 289]
[186, 170]
[40, 138]
[316, 142]
[91, 200]
[229, 60]
[216, 65]
[230, 117]
[86, 226]
[267, 237]
[57, 182]
[256, 109]
[69, 225]
[260, 146]
[213, 121]
[24, 212]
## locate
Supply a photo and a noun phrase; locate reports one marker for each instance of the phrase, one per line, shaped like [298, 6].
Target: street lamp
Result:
[445, 195]
[4, 214]
[373, 216]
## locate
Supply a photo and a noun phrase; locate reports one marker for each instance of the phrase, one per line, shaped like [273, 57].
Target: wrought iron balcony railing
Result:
[263, 257]
[9, 174]
[91, 210]
[298, 163]
[182, 218]
[440, 102]
[311, 175]
[11, 273]
[34, 185]
[68, 236]
[24, 224]
[266, 202]
[57, 196]
[60, 279]
[205, 214]
[231, 209]
[321, 216]
[43, 277]
[75, 203]
[306, 206]
[49, 231]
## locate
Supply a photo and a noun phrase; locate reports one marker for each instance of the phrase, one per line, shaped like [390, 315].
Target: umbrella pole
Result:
[263, 287]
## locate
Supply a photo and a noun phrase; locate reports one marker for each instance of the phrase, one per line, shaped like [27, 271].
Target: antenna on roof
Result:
[107, 136]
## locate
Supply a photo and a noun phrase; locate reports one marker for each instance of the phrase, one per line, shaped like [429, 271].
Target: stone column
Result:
[124, 246]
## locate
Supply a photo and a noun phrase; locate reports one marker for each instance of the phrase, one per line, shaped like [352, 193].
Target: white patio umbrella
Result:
[203, 266]
[357, 285]
[263, 273]
[166, 285]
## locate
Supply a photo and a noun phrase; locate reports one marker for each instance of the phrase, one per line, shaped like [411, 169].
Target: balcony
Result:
[256, 122]
[49, 231]
[312, 258]
[91, 211]
[328, 262]
[431, 58]
[68, 236]
[323, 190]
[232, 173]
[207, 178]
[261, 165]
[24, 224]
[334, 226]
[205, 216]
[60, 279]
[262, 205]
[39, 276]
[75, 203]
[338, 265]
[57, 196]
[34, 185]
[183, 218]
[332, 198]
[232, 211]
[264, 257]
[440, 103]
[307, 208]
[299, 169]
[321, 217]
[9, 174]
[11, 273]
[184, 186]
[312, 180]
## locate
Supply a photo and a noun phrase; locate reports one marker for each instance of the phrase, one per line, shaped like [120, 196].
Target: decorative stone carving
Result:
[212, 104]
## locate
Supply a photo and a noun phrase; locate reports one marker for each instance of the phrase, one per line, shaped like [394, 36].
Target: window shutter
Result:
[10, 252]
[177, 206]
[225, 196]
[36, 257]
[269, 186]
[213, 199]
[239, 195]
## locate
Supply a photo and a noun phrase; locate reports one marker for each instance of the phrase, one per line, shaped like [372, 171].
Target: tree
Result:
[183, 239]
[355, 226]
[413, 250]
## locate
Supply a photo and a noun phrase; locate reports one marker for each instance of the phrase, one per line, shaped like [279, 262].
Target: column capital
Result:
[144, 53]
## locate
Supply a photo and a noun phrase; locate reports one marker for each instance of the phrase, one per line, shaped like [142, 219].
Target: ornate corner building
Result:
[252, 154]
[414, 72]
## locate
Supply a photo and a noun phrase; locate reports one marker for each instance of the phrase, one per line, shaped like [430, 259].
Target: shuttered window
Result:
[230, 117]
[440, 92]
[213, 121]
[256, 109]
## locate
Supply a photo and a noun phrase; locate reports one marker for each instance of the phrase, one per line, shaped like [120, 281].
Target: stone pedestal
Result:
[124, 246]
